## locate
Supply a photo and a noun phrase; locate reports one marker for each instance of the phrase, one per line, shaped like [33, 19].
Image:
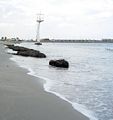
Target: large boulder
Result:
[23, 51]
[59, 63]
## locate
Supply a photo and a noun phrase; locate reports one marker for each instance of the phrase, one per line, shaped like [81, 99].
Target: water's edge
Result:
[80, 108]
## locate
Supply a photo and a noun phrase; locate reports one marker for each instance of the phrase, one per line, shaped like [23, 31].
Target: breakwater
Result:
[77, 41]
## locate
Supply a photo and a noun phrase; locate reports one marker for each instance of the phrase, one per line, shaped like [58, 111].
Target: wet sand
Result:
[22, 97]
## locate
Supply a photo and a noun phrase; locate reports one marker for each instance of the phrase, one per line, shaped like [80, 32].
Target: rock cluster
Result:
[23, 51]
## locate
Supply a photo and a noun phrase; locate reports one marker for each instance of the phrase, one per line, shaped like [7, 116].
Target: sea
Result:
[88, 82]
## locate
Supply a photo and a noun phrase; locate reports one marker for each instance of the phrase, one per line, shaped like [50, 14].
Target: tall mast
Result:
[39, 20]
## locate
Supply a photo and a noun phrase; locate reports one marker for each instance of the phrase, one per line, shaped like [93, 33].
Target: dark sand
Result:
[22, 97]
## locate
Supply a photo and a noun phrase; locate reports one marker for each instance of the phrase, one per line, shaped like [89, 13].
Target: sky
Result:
[63, 19]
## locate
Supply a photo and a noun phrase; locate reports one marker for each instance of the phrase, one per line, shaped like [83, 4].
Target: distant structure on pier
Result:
[39, 20]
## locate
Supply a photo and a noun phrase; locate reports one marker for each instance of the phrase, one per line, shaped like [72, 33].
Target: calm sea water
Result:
[87, 84]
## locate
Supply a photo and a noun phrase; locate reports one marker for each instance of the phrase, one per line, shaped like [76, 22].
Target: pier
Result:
[76, 41]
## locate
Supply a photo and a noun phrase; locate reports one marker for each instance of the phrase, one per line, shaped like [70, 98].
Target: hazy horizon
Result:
[64, 19]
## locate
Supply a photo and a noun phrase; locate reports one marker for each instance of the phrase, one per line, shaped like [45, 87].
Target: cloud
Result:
[63, 19]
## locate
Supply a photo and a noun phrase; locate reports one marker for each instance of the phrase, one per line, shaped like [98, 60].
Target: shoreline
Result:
[76, 106]
[26, 97]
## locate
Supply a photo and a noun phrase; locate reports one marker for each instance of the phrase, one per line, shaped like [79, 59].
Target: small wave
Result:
[76, 106]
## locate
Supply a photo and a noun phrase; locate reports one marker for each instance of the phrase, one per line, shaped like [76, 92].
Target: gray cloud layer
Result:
[63, 18]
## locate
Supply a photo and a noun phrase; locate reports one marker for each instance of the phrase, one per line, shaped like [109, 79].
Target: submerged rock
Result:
[23, 51]
[59, 63]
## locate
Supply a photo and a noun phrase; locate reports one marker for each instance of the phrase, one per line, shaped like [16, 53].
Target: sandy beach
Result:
[22, 97]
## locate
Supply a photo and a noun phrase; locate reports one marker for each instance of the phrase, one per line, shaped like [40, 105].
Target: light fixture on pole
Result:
[39, 20]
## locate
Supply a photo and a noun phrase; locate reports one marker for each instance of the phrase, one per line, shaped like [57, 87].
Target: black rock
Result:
[17, 48]
[59, 63]
[26, 51]
[32, 53]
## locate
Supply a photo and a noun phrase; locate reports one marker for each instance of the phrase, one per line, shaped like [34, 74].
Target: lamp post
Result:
[39, 21]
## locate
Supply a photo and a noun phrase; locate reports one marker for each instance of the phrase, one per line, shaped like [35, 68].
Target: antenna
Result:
[39, 20]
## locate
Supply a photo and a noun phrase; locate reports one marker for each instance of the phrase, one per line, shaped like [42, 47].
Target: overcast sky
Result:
[66, 19]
